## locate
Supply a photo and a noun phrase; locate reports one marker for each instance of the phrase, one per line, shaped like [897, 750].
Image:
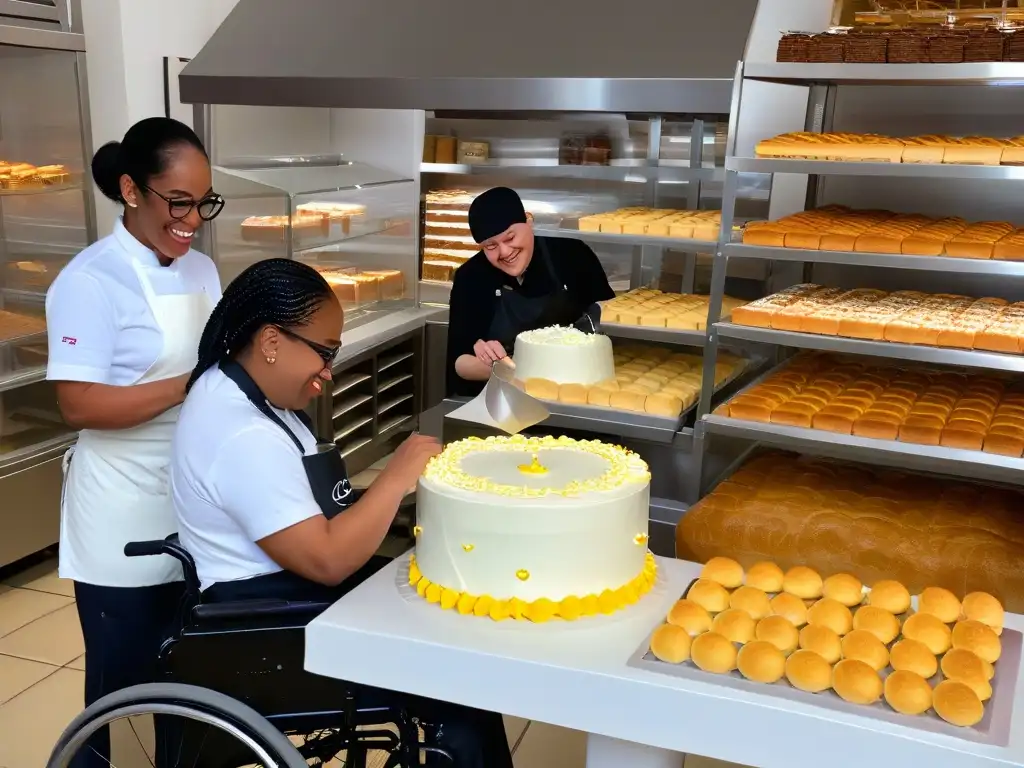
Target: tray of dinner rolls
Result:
[655, 385]
[873, 148]
[913, 404]
[657, 310]
[838, 228]
[934, 661]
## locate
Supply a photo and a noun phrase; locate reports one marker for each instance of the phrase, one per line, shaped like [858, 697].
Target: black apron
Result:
[516, 313]
[325, 469]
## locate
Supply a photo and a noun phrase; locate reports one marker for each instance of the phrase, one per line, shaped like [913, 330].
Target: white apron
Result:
[117, 488]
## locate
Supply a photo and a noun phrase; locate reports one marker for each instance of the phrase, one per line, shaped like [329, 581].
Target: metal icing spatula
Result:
[502, 404]
[590, 322]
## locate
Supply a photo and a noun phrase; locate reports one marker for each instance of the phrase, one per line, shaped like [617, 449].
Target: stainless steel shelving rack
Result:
[823, 80]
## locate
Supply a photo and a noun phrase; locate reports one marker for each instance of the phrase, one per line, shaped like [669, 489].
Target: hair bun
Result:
[107, 172]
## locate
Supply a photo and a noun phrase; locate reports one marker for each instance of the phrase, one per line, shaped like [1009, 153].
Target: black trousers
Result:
[123, 628]
[475, 738]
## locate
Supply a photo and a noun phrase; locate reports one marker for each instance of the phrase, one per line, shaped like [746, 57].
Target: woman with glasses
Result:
[124, 321]
[263, 509]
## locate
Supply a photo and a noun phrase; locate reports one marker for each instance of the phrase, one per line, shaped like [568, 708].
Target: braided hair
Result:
[273, 292]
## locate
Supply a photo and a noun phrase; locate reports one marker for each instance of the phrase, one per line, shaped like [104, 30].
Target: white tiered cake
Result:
[564, 356]
[533, 528]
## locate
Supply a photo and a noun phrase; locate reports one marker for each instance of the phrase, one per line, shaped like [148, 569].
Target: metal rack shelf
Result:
[346, 383]
[992, 361]
[884, 260]
[638, 173]
[21, 377]
[675, 243]
[929, 458]
[687, 338]
[983, 73]
[896, 170]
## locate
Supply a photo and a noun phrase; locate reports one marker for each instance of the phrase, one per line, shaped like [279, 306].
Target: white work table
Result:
[575, 675]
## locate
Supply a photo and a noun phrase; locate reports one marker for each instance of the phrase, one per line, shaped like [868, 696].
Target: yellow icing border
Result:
[538, 611]
[624, 466]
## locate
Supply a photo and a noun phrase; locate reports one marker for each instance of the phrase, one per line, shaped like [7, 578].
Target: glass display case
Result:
[46, 217]
[353, 223]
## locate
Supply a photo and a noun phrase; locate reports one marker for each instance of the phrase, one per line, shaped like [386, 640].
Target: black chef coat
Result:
[476, 283]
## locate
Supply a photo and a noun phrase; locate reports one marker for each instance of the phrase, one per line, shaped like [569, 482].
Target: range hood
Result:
[523, 55]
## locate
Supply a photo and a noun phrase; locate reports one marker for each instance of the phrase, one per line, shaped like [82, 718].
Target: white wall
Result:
[126, 41]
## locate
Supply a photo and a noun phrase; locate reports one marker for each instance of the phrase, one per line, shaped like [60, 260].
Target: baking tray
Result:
[993, 729]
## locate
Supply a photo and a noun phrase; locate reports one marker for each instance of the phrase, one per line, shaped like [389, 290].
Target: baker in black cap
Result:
[517, 282]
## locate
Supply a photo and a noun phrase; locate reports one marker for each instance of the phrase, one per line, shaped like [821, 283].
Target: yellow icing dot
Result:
[540, 611]
[483, 606]
[588, 605]
[608, 602]
[500, 610]
[522, 574]
[469, 547]
[414, 573]
[421, 587]
[417, 530]
[640, 539]
[516, 608]
[534, 467]
[571, 608]
[466, 604]
[433, 594]
[449, 598]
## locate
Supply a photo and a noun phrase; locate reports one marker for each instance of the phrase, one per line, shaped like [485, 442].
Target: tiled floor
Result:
[41, 680]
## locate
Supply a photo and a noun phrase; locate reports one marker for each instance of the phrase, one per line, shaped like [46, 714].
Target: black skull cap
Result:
[495, 211]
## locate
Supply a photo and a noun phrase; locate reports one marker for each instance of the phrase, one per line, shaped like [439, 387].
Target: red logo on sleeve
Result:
[69, 340]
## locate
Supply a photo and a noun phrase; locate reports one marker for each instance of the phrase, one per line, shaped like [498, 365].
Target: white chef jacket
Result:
[236, 478]
[99, 325]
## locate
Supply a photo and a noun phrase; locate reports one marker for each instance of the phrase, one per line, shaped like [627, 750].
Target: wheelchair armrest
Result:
[257, 609]
[169, 546]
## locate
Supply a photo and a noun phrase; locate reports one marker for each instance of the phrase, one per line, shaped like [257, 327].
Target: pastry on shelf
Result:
[651, 308]
[14, 325]
[655, 222]
[262, 229]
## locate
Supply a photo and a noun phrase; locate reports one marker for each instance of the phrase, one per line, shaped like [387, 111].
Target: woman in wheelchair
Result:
[263, 509]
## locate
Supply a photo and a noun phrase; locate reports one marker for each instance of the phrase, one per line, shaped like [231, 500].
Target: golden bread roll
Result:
[712, 652]
[879, 622]
[832, 614]
[689, 616]
[823, 641]
[908, 693]
[807, 671]
[723, 571]
[671, 644]
[803, 582]
[735, 624]
[929, 630]
[844, 588]
[572, 394]
[913, 656]
[761, 662]
[856, 682]
[981, 606]
[957, 703]
[542, 389]
[890, 596]
[780, 632]
[790, 607]
[765, 576]
[709, 595]
[752, 600]
[978, 638]
[940, 603]
[864, 646]
[964, 666]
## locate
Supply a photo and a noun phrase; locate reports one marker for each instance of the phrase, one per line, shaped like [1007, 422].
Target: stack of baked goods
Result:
[831, 634]
[902, 45]
[837, 228]
[656, 222]
[855, 147]
[360, 286]
[17, 175]
[30, 275]
[314, 219]
[912, 404]
[652, 308]
[447, 242]
[903, 317]
[568, 366]
[14, 325]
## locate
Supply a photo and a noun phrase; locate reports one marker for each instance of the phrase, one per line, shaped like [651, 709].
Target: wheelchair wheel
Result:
[253, 740]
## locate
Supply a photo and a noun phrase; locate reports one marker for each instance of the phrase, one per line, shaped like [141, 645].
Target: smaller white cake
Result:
[564, 356]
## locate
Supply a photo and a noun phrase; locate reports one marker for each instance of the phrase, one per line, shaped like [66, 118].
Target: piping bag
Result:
[502, 404]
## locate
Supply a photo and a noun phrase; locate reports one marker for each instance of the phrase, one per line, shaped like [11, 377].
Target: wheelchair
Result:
[233, 671]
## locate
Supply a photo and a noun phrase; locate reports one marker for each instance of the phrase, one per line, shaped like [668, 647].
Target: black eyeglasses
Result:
[209, 207]
[327, 354]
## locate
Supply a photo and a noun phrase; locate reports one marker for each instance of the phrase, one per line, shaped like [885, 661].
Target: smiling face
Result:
[159, 217]
[302, 357]
[512, 250]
